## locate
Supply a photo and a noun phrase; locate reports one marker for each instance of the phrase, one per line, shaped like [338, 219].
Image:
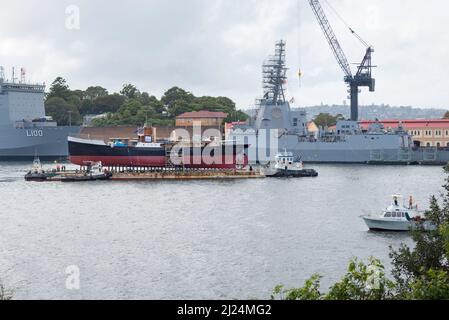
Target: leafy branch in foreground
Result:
[5, 294]
[361, 282]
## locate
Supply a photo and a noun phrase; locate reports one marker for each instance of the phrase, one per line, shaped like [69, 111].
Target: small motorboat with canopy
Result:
[399, 217]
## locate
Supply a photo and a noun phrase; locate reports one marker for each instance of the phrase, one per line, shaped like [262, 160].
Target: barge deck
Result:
[156, 174]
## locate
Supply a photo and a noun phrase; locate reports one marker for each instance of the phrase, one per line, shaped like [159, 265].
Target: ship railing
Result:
[376, 155]
[430, 154]
[179, 171]
[405, 154]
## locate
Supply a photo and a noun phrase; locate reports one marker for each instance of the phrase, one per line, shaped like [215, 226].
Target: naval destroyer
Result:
[25, 130]
[347, 143]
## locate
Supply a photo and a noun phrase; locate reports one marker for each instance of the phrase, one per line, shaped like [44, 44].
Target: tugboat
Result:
[94, 172]
[36, 173]
[398, 217]
[287, 167]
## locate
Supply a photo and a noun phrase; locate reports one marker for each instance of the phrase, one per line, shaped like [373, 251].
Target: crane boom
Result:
[363, 77]
[331, 37]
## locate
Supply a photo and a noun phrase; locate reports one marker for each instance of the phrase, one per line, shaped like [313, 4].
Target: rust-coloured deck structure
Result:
[151, 174]
[172, 174]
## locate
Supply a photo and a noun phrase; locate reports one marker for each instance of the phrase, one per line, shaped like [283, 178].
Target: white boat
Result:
[286, 166]
[398, 217]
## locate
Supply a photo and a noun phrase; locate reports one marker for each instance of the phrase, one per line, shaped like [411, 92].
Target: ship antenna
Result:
[2, 73]
[275, 76]
[22, 75]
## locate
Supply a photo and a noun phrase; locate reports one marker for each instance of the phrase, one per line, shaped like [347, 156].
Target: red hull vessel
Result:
[146, 154]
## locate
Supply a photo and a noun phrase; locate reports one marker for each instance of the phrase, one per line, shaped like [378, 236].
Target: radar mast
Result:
[275, 76]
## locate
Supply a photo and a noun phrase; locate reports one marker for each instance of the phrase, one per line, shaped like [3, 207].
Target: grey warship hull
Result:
[374, 149]
[49, 143]
[25, 130]
[357, 151]
[325, 155]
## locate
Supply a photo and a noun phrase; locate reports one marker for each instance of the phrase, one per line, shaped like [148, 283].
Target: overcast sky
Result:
[216, 47]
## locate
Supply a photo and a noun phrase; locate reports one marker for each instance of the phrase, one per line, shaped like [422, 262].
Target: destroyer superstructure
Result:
[25, 130]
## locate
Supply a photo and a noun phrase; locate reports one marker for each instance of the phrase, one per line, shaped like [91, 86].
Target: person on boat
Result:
[410, 203]
[396, 201]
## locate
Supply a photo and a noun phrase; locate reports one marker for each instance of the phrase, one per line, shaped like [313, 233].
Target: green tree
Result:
[130, 91]
[79, 93]
[87, 107]
[125, 111]
[110, 103]
[75, 100]
[176, 94]
[5, 294]
[62, 112]
[310, 291]
[179, 107]
[59, 89]
[327, 120]
[157, 106]
[433, 285]
[145, 98]
[95, 92]
[430, 254]
[361, 282]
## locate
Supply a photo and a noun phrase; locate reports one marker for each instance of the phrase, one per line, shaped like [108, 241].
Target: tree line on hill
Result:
[372, 112]
[130, 106]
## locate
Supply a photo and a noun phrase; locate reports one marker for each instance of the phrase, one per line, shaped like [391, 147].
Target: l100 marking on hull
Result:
[35, 133]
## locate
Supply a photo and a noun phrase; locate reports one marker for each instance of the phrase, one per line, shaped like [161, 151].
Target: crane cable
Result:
[299, 26]
[347, 25]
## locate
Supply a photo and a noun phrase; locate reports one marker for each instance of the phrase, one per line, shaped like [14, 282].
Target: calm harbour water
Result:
[195, 239]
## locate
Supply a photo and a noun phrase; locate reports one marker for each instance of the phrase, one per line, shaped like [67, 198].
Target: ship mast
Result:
[275, 76]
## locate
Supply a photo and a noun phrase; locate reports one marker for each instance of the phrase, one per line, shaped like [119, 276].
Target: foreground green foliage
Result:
[129, 107]
[5, 294]
[419, 273]
[361, 282]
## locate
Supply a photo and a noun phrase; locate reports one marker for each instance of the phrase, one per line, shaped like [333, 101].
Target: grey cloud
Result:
[216, 47]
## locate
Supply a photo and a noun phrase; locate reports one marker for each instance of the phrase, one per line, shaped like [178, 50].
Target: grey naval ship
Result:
[25, 130]
[347, 143]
